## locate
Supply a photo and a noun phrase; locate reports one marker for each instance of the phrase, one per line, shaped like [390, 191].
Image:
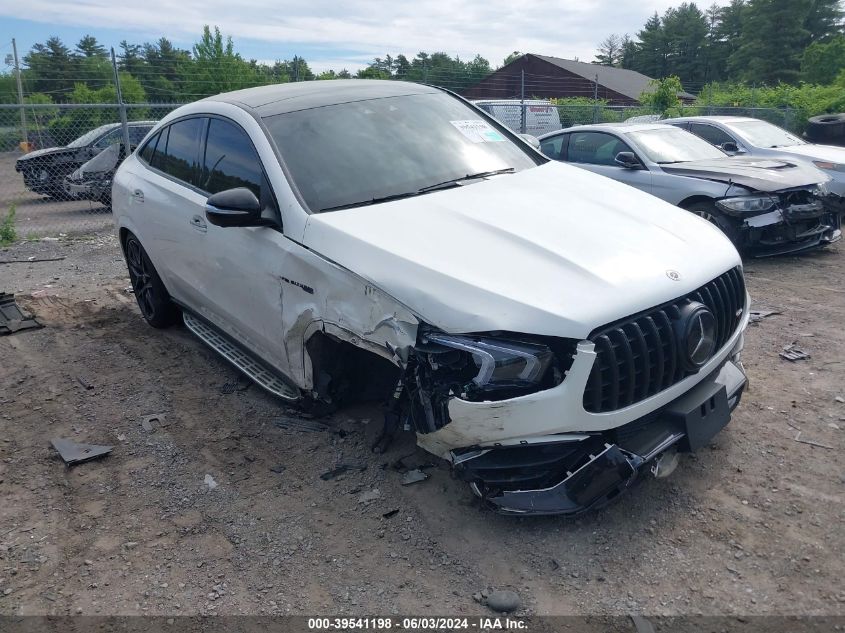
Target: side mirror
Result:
[628, 160]
[531, 140]
[731, 148]
[234, 207]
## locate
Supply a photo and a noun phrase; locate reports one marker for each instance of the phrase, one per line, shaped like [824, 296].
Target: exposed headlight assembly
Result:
[746, 204]
[500, 362]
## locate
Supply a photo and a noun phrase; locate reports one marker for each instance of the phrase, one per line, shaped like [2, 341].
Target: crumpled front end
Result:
[802, 220]
[550, 426]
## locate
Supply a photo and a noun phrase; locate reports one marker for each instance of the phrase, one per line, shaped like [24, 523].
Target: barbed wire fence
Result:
[85, 112]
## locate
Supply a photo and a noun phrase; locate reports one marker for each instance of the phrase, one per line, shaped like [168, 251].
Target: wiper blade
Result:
[364, 203]
[454, 182]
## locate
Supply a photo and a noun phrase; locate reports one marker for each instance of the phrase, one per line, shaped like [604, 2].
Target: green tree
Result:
[662, 95]
[512, 57]
[652, 50]
[772, 41]
[823, 61]
[88, 46]
[824, 20]
[49, 67]
[610, 51]
[685, 32]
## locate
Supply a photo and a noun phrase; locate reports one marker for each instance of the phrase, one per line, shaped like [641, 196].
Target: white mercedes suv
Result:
[550, 332]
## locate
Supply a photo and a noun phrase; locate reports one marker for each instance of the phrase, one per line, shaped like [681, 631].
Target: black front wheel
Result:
[708, 211]
[153, 299]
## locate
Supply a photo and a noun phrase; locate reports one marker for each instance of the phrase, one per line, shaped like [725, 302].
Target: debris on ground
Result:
[797, 438]
[278, 469]
[31, 260]
[755, 316]
[390, 513]
[12, 318]
[74, 453]
[503, 601]
[641, 624]
[149, 422]
[793, 353]
[209, 481]
[414, 476]
[292, 424]
[369, 495]
[341, 469]
[85, 384]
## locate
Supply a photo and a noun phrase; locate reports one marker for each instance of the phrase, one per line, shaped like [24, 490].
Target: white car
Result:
[548, 331]
[753, 137]
[767, 206]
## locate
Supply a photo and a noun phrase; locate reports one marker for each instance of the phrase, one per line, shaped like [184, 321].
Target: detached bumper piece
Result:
[12, 318]
[570, 476]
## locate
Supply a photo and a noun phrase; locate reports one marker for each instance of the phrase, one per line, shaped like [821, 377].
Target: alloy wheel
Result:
[141, 277]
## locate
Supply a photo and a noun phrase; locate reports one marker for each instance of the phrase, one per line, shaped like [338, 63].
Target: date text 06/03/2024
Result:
[417, 624]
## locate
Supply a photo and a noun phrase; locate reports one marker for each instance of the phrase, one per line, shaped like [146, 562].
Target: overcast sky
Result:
[330, 34]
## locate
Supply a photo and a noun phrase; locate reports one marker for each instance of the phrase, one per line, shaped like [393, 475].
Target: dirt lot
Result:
[751, 525]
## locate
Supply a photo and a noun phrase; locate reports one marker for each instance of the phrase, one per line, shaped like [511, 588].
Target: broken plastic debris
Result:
[755, 316]
[340, 469]
[74, 453]
[12, 318]
[209, 481]
[414, 476]
[792, 353]
[148, 420]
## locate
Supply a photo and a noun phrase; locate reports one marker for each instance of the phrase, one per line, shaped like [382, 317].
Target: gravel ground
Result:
[220, 508]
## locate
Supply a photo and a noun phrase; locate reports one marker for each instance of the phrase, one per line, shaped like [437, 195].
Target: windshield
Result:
[357, 153]
[673, 145]
[90, 137]
[764, 134]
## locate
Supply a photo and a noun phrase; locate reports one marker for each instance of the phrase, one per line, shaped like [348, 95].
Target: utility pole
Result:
[124, 123]
[596, 99]
[522, 102]
[20, 91]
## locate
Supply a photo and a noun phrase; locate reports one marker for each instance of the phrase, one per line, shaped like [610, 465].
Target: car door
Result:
[174, 233]
[244, 266]
[597, 151]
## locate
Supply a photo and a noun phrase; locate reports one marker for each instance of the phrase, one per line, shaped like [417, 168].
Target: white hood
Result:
[553, 250]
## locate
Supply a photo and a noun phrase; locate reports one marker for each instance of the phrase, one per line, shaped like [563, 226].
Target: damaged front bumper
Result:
[795, 228]
[572, 473]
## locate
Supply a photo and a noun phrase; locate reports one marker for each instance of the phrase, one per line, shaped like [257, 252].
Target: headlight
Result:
[500, 363]
[746, 204]
[823, 164]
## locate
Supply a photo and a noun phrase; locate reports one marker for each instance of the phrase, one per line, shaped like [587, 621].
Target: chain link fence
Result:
[57, 160]
[56, 165]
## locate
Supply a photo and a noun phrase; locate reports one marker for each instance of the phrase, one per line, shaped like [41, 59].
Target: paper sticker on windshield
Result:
[477, 131]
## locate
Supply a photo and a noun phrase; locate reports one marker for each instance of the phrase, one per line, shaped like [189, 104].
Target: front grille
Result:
[638, 356]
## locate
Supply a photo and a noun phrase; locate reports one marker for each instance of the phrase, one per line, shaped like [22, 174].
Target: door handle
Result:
[138, 195]
[198, 223]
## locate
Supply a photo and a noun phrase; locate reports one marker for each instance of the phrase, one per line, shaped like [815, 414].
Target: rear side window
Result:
[230, 159]
[176, 150]
[595, 148]
[147, 151]
[551, 146]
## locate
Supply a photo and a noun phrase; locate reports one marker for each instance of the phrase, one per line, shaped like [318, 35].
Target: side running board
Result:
[241, 359]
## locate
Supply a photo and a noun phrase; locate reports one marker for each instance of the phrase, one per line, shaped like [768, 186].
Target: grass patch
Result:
[8, 234]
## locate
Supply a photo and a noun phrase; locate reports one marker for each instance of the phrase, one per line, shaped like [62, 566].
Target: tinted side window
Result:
[157, 159]
[230, 160]
[551, 146]
[595, 148]
[147, 151]
[710, 133]
[180, 152]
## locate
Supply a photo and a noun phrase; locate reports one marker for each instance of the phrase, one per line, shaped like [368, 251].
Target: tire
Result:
[826, 127]
[153, 299]
[708, 211]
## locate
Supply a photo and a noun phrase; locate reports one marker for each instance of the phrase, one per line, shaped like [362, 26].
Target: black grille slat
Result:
[639, 357]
